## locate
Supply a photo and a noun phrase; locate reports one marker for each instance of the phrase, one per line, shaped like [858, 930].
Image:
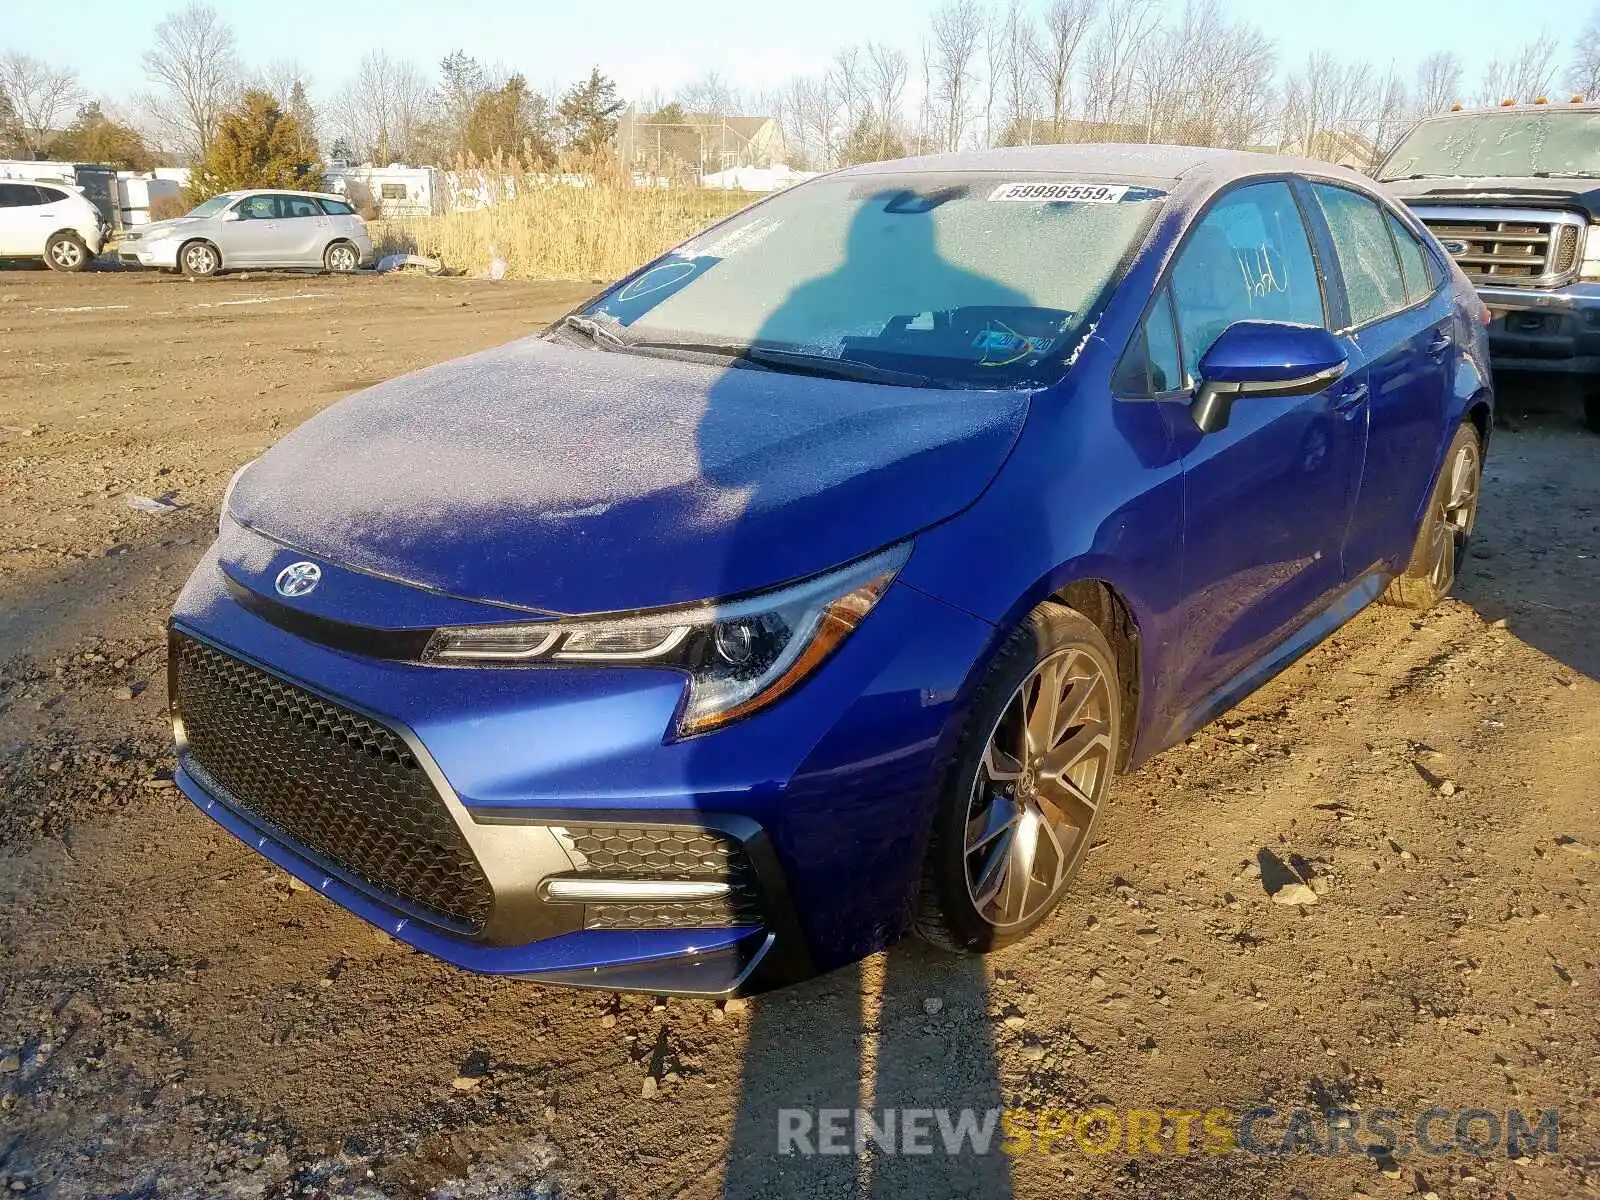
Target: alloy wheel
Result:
[1455, 513]
[1039, 788]
[200, 260]
[342, 259]
[66, 254]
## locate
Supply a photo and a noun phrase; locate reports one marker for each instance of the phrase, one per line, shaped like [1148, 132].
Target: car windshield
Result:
[1545, 141]
[966, 280]
[212, 206]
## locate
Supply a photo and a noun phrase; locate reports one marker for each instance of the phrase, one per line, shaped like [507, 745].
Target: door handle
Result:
[1439, 344]
[1350, 399]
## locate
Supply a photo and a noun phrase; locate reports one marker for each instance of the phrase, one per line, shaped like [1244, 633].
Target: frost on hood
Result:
[574, 457]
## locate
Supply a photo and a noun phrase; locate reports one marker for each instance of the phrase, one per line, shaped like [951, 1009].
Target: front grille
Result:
[326, 780]
[675, 852]
[1516, 249]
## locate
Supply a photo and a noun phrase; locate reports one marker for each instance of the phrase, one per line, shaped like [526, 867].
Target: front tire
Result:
[199, 260]
[342, 258]
[1441, 543]
[67, 252]
[1027, 787]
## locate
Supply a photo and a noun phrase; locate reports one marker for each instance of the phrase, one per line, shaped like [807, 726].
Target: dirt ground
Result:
[177, 1020]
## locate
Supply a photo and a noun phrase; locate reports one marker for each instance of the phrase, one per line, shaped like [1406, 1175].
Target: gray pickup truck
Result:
[1513, 194]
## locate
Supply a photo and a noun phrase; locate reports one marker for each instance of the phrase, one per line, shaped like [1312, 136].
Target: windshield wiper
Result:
[601, 335]
[797, 362]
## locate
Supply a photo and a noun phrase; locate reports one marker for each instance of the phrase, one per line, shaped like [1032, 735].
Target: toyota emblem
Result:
[298, 579]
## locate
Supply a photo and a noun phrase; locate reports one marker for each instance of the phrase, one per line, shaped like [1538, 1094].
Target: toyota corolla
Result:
[813, 584]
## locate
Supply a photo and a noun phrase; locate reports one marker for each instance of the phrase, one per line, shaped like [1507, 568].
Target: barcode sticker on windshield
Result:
[1058, 193]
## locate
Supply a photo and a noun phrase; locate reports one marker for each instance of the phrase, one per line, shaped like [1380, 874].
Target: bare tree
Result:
[1583, 72]
[1055, 54]
[1328, 105]
[1525, 74]
[808, 114]
[1204, 80]
[195, 70]
[38, 96]
[1391, 118]
[849, 85]
[957, 31]
[1112, 58]
[1438, 83]
[381, 113]
[1019, 47]
[710, 93]
[885, 80]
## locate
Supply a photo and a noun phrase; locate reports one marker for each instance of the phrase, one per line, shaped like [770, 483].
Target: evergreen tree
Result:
[513, 119]
[256, 145]
[588, 113]
[96, 138]
[11, 140]
[305, 120]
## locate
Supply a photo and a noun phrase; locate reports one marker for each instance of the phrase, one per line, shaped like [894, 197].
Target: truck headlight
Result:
[739, 655]
[1589, 265]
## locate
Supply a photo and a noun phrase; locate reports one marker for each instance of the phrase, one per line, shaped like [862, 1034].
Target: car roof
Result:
[244, 192]
[1141, 165]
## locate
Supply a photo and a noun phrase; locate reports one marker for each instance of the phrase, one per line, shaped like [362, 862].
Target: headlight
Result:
[740, 656]
[227, 492]
[1589, 267]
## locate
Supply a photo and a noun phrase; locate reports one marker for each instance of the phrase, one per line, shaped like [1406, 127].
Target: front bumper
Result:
[1545, 329]
[824, 797]
[162, 253]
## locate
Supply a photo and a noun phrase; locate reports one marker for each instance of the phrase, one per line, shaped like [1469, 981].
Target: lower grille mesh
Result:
[673, 852]
[334, 782]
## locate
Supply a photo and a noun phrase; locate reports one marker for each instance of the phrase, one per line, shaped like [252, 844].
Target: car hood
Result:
[171, 225]
[1580, 194]
[571, 480]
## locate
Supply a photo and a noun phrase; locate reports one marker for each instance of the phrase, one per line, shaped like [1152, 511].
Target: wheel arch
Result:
[1112, 614]
[215, 249]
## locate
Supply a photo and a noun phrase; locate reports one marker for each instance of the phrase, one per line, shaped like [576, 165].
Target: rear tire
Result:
[199, 260]
[67, 252]
[1441, 543]
[342, 258]
[1027, 786]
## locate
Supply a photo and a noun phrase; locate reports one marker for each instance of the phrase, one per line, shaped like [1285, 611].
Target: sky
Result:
[651, 46]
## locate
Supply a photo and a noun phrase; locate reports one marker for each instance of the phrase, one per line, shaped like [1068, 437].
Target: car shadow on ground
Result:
[1535, 557]
[906, 1040]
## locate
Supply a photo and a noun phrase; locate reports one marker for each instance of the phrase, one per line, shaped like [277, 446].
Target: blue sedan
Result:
[813, 584]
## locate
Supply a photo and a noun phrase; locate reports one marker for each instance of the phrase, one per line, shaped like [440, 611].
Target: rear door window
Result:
[298, 206]
[49, 195]
[1373, 281]
[1248, 259]
[18, 195]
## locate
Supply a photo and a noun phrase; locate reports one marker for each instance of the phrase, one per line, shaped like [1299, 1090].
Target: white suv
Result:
[51, 221]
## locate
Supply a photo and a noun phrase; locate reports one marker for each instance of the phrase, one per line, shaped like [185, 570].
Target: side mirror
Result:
[233, 214]
[1263, 358]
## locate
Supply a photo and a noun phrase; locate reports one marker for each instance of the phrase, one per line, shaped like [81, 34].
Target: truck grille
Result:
[675, 852]
[325, 780]
[1513, 248]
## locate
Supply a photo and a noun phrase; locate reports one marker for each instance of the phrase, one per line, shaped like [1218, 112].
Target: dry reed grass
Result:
[584, 221]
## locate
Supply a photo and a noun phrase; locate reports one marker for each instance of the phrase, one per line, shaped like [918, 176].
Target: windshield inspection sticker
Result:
[1058, 193]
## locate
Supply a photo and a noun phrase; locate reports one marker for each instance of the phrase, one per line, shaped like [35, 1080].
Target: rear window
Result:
[1420, 281]
[337, 208]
